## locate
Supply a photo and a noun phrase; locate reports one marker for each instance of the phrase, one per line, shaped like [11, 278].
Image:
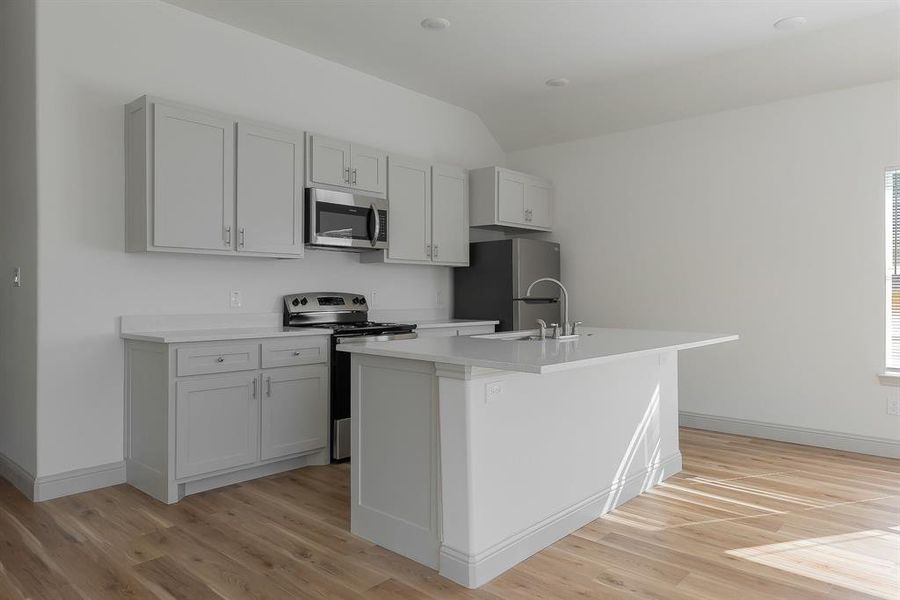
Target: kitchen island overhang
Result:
[470, 455]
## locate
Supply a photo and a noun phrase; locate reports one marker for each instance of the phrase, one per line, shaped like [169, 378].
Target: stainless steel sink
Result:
[512, 336]
[530, 335]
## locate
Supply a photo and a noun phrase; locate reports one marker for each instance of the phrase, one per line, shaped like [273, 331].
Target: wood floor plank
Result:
[174, 580]
[746, 518]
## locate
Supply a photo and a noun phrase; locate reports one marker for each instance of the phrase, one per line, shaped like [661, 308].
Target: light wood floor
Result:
[746, 519]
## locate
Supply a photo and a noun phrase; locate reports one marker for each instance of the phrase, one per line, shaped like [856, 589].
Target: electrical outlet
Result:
[492, 391]
[235, 299]
[893, 406]
[439, 298]
[17, 277]
[372, 300]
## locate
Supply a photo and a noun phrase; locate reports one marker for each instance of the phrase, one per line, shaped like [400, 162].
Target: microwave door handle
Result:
[373, 214]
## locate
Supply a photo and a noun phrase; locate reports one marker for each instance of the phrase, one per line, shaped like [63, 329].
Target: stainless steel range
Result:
[347, 315]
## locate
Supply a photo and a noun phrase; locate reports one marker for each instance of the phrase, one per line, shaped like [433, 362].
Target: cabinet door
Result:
[193, 179]
[538, 204]
[368, 169]
[269, 202]
[409, 210]
[329, 161]
[294, 410]
[216, 423]
[511, 197]
[449, 216]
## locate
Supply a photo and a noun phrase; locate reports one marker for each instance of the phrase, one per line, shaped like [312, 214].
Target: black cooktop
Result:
[364, 327]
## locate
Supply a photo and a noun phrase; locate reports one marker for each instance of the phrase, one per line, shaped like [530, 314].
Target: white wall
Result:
[18, 233]
[93, 57]
[766, 221]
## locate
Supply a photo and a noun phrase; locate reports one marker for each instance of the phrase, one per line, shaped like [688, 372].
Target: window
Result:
[892, 194]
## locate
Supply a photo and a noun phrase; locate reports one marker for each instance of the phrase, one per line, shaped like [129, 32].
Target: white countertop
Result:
[594, 346]
[222, 334]
[438, 323]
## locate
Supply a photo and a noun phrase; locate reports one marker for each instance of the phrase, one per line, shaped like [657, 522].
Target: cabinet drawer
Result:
[216, 359]
[295, 351]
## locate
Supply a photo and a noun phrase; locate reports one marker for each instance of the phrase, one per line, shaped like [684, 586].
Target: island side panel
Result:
[395, 456]
[527, 459]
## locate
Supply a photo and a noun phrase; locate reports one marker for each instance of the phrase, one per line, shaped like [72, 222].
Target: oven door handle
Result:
[374, 224]
[377, 338]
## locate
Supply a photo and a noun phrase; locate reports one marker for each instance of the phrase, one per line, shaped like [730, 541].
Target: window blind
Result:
[892, 191]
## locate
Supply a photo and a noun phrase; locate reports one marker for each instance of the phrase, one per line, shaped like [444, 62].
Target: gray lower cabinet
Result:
[216, 423]
[294, 419]
[202, 415]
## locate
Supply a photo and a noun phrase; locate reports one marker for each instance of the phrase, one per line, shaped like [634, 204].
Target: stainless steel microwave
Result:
[345, 221]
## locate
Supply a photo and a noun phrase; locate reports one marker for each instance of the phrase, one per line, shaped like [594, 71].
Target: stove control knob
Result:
[362, 300]
[303, 301]
[295, 302]
[356, 301]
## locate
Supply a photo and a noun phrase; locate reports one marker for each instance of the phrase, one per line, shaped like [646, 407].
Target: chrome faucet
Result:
[543, 325]
[567, 330]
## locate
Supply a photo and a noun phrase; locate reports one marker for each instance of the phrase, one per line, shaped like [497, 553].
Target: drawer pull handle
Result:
[297, 353]
[220, 359]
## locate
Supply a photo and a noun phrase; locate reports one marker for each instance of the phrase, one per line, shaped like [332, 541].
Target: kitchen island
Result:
[472, 453]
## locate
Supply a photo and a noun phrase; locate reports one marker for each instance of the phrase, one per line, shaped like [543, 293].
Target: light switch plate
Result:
[235, 299]
[893, 406]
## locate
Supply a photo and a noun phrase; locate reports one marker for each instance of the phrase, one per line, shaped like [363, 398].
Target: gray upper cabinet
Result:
[193, 179]
[344, 165]
[329, 161]
[181, 164]
[450, 215]
[368, 169]
[269, 190]
[409, 210]
[428, 214]
[510, 201]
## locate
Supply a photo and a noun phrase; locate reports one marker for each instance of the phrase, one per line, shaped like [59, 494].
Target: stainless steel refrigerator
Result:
[494, 283]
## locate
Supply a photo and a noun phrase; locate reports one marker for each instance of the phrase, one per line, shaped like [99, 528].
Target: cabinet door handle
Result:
[354, 176]
[228, 235]
[346, 174]
[428, 250]
[434, 251]
[242, 237]
[269, 387]
[254, 386]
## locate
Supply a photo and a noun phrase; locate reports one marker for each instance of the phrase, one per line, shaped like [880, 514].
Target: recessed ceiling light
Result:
[435, 23]
[557, 82]
[789, 23]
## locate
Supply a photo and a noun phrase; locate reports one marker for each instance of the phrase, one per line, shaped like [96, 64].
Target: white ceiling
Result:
[631, 62]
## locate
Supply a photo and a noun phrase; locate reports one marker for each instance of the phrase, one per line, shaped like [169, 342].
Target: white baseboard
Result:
[14, 473]
[242, 475]
[798, 435]
[79, 480]
[475, 571]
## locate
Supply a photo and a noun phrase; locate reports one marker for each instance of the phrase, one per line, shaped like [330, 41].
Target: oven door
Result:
[340, 390]
[344, 220]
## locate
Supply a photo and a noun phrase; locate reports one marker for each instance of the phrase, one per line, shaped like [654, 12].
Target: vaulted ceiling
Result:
[630, 63]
